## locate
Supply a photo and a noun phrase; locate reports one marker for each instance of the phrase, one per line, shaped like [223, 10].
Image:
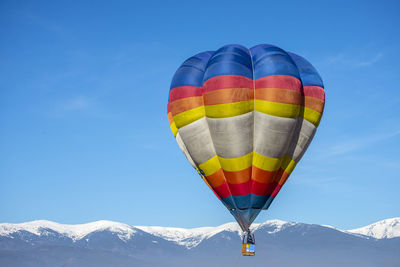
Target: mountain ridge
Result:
[279, 243]
[188, 237]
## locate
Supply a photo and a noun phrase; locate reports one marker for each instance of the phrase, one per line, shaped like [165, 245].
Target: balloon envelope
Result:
[244, 118]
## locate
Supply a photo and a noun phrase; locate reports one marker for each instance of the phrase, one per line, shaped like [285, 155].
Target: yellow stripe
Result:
[236, 164]
[228, 164]
[266, 163]
[288, 164]
[173, 128]
[210, 166]
[312, 116]
[277, 109]
[229, 109]
[187, 117]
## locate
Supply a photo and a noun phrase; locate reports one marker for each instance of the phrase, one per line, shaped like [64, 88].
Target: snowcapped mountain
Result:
[388, 228]
[189, 237]
[74, 232]
[106, 243]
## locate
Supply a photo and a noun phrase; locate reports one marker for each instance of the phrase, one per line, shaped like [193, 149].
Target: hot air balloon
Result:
[244, 118]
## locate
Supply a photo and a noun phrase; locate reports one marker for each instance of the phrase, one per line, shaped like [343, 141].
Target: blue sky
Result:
[83, 92]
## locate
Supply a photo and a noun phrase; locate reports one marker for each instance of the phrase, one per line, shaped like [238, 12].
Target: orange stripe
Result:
[217, 178]
[170, 119]
[184, 104]
[279, 95]
[231, 95]
[283, 178]
[238, 177]
[263, 176]
[314, 103]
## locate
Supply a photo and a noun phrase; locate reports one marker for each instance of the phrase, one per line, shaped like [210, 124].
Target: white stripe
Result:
[184, 150]
[272, 134]
[304, 133]
[197, 139]
[233, 136]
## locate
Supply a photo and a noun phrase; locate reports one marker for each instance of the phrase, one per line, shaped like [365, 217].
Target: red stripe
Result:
[276, 191]
[279, 81]
[254, 187]
[262, 189]
[240, 189]
[223, 190]
[226, 82]
[314, 91]
[184, 91]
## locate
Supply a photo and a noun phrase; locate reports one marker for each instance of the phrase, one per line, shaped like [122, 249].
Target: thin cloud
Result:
[323, 183]
[316, 181]
[49, 25]
[81, 105]
[352, 62]
[371, 61]
[77, 103]
[359, 143]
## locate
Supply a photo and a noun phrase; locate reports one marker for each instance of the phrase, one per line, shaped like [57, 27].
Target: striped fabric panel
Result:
[314, 99]
[229, 103]
[311, 113]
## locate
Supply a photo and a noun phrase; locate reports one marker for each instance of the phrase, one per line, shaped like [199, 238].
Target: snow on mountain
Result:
[192, 237]
[75, 232]
[388, 228]
[189, 237]
[273, 226]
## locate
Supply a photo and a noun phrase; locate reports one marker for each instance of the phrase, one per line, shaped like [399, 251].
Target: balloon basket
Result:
[248, 244]
[248, 250]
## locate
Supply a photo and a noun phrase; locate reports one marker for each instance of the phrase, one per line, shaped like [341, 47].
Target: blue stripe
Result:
[247, 201]
[191, 72]
[258, 201]
[309, 75]
[242, 202]
[230, 60]
[228, 202]
[271, 60]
